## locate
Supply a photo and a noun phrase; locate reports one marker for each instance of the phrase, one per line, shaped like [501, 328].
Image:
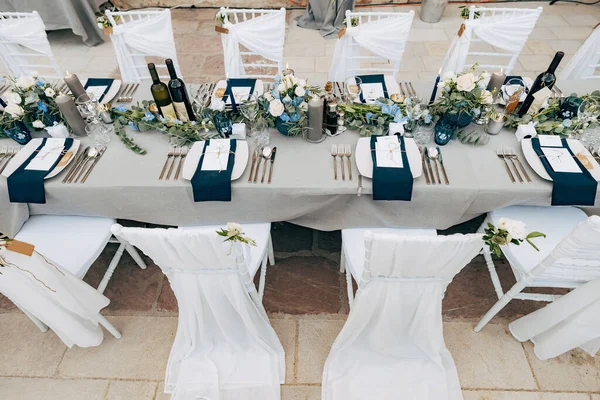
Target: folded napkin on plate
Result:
[212, 179]
[392, 177]
[26, 183]
[373, 87]
[98, 87]
[573, 183]
[238, 89]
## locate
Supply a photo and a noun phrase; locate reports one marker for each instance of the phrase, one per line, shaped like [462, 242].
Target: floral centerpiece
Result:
[507, 232]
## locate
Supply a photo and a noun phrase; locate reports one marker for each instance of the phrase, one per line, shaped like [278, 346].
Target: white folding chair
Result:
[225, 346]
[506, 29]
[569, 256]
[262, 35]
[585, 64]
[392, 344]
[260, 255]
[24, 46]
[137, 35]
[373, 42]
[353, 251]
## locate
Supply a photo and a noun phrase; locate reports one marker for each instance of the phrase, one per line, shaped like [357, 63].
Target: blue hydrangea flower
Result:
[277, 80]
[39, 82]
[286, 99]
[275, 94]
[42, 106]
[369, 116]
[177, 122]
[386, 109]
[133, 126]
[399, 118]
[428, 119]
[296, 101]
[148, 116]
[295, 117]
[162, 119]
[567, 123]
[120, 108]
[285, 117]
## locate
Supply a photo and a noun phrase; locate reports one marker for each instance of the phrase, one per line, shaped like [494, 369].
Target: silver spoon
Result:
[93, 153]
[434, 155]
[267, 156]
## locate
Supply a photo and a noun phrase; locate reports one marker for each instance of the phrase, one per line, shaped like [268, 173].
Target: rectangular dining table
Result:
[303, 191]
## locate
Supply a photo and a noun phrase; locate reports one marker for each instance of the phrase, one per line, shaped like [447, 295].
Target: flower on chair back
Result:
[233, 233]
[508, 231]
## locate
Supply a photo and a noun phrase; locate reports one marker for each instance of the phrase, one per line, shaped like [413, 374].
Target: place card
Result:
[561, 160]
[216, 155]
[388, 152]
[97, 91]
[550, 141]
[47, 156]
[240, 93]
[372, 91]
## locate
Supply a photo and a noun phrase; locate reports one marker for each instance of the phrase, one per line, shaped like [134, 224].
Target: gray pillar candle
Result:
[68, 109]
[496, 81]
[315, 120]
[74, 84]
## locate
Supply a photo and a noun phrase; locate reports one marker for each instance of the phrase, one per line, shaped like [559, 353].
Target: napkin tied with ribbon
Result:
[391, 183]
[27, 185]
[570, 188]
[368, 80]
[213, 185]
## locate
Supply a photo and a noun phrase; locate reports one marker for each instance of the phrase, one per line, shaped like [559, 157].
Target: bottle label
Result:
[181, 111]
[168, 112]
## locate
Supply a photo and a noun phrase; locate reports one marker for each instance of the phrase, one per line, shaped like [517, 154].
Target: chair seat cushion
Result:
[556, 223]
[259, 232]
[72, 242]
[353, 242]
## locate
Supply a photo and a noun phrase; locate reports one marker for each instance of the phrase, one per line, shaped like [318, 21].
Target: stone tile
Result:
[572, 33]
[427, 35]
[301, 64]
[305, 49]
[551, 20]
[433, 63]
[417, 49]
[501, 395]
[314, 343]
[141, 353]
[437, 48]
[160, 392]
[191, 65]
[101, 64]
[572, 371]
[131, 390]
[539, 47]
[167, 300]
[596, 397]
[535, 62]
[300, 392]
[567, 46]
[286, 331]
[411, 64]
[189, 44]
[185, 26]
[303, 285]
[490, 359]
[296, 34]
[323, 64]
[582, 20]
[25, 350]
[213, 65]
[6, 304]
[179, 14]
[541, 33]
[52, 389]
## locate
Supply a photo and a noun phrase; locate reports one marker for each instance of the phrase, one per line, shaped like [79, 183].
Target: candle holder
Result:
[287, 71]
[397, 97]
[495, 123]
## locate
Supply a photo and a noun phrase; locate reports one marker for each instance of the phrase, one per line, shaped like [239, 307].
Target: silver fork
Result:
[184, 152]
[5, 156]
[507, 154]
[170, 154]
[177, 153]
[341, 152]
[500, 154]
[334, 155]
[513, 156]
[348, 155]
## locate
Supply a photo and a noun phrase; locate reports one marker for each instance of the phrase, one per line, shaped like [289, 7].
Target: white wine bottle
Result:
[179, 95]
[160, 94]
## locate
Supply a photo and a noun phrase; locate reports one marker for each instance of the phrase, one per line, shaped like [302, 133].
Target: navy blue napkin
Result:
[391, 183]
[213, 185]
[100, 82]
[27, 186]
[569, 189]
[237, 82]
[377, 78]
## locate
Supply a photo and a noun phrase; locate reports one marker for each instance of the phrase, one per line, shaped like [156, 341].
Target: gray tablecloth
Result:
[303, 191]
[77, 15]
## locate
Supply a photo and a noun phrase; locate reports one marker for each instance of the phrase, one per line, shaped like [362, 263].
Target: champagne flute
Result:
[353, 88]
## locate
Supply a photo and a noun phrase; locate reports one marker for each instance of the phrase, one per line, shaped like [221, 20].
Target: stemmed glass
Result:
[511, 94]
[87, 104]
[249, 109]
[99, 133]
[588, 112]
[353, 88]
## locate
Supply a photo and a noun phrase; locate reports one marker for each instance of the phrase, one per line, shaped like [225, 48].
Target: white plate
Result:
[535, 163]
[364, 161]
[112, 91]
[391, 86]
[193, 158]
[259, 87]
[29, 148]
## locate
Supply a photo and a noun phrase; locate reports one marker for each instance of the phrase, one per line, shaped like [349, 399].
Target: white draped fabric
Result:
[225, 347]
[263, 35]
[583, 64]
[506, 32]
[150, 37]
[30, 33]
[53, 295]
[392, 345]
[385, 37]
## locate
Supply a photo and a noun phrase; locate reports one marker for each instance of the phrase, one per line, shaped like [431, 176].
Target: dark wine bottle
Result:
[160, 94]
[179, 95]
[545, 79]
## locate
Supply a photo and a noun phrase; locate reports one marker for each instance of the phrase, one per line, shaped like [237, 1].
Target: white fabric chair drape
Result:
[263, 35]
[225, 347]
[506, 32]
[149, 37]
[392, 345]
[30, 33]
[569, 322]
[584, 63]
[66, 304]
[385, 37]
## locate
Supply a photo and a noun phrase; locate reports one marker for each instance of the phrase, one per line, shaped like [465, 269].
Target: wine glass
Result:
[99, 133]
[423, 133]
[249, 109]
[352, 87]
[589, 110]
[511, 94]
[261, 135]
[87, 104]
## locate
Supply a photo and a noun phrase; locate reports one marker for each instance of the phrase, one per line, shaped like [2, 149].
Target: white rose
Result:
[466, 82]
[441, 85]
[50, 92]
[448, 76]
[58, 130]
[13, 97]
[100, 25]
[300, 91]
[303, 106]
[487, 97]
[276, 108]
[301, 82]
[25, 82]
[217, 105]
[38, 124]
[234, 229]
[14, 109]
[268, 96]
[516, 229]
[281, 87]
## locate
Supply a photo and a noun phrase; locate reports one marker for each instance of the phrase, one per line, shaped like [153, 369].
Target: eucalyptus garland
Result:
[373, 119]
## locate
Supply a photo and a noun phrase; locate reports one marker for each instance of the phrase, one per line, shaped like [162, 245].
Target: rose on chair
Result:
[233, 233]
[508, 231]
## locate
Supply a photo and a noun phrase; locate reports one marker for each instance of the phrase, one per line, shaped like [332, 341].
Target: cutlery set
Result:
[6, 154]
[341, 151]
[509, 154]
[267, 156]
[126, 94]
[430, 159]
[84, 164]
[175, 152]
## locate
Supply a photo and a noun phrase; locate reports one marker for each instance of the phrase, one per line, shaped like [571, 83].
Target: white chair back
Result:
[373, 42]
[137, 35]
[24, 46]
[585, 64]
[261, 33]
[507, 29]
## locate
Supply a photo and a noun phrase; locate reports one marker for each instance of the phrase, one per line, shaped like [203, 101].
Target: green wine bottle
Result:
[179, 95]
[160, 94]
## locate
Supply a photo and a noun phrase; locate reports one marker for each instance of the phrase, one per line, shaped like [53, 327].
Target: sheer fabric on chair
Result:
[24, 46]
[140, 34]
[225, 347]
[261, 32]
[382, 34]
[392, 345]
[504, 28]
[585, 64]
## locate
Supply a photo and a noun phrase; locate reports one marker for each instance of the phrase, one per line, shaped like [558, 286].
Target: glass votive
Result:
[495, 123]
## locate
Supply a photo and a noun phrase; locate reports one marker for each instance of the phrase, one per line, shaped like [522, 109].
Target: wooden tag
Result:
[65, 159]
[342, 32]
[585, 161]
[20, 247]
[461, 30]
[220, 29]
